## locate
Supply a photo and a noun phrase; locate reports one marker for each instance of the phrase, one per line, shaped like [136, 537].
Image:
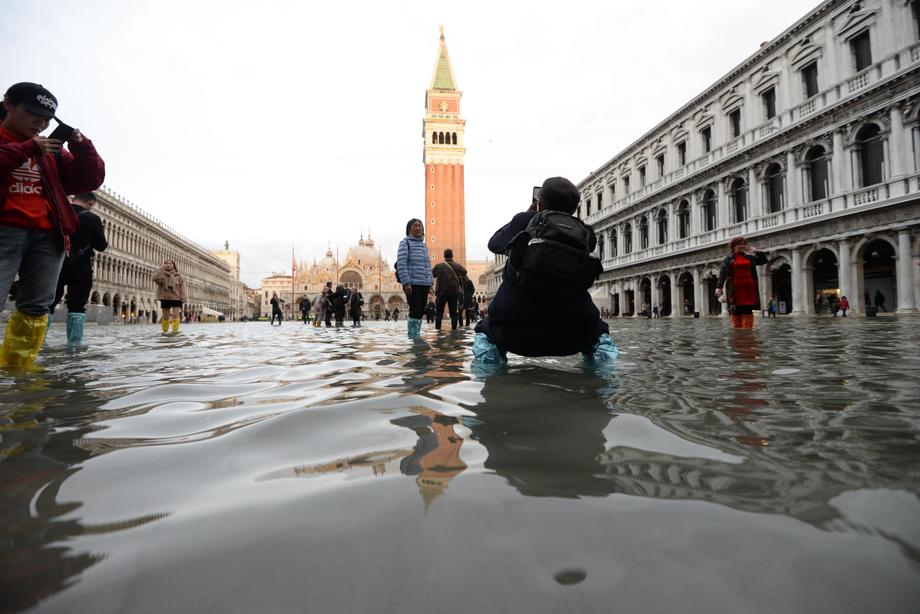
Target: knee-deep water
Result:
[249, 468]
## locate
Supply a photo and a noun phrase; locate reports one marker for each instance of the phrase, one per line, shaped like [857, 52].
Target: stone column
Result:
[906, 303]
[697, 291]
[722, 217]
[798, 300]
[676, 307]
[840, 179]
[793, 196]
[694, 216]
[654, 293]
[672, 222]
[844, 271]
[622, 300]
[754, 199]
[896, 149]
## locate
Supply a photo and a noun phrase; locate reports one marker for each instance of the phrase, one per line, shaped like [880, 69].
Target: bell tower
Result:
[442, 129]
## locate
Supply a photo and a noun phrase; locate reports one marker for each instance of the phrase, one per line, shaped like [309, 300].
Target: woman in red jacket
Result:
[36, 219]
[738, 277]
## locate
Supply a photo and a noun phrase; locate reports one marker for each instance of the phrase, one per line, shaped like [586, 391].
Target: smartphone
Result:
[63, 132]
[536, 193]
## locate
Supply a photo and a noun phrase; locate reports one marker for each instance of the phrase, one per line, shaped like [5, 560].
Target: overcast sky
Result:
[278, 123]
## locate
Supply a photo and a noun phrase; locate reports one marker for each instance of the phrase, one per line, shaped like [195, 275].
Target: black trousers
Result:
[417, 301]
[451, 301]
[78, 277]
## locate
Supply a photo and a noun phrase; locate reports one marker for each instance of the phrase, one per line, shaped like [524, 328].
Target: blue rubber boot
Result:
[604, 352]
[415, 328]
[75, 329]
[487, 358]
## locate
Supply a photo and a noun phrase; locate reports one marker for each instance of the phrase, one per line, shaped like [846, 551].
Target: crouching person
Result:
[36, 219]
[542, 307]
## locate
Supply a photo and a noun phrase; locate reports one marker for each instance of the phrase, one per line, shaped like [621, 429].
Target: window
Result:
[706, 136]
[440, 138]
[662, 222]
[734, 121]
[769, 103]
[600, 246]
[613, 243]
[434, 138]
[774, 185]
[683, 219]
[453, 137]
[810, 79]
[682, 153]
[709, 210]
[915, 13]
[660, 162]
[641, 176]
[600, 201]
[626, 184]
[588, 207]
[627, 239]
[739, 200]
[643, 233]
[871, 154]
[816, 173]
[613, 190]
[862, 51]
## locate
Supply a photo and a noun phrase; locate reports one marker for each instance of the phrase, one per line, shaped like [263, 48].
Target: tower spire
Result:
[443, 77]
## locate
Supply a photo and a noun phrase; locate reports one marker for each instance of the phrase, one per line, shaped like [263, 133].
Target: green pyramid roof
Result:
[443, 78]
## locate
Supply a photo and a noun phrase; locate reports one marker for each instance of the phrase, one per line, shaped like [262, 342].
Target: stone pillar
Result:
[622, 300]
[844, 271]
[906, 303]
[694, 216]
[896, 149]
[722, 217]
[672, 222]
[697, 291]
[676, 308]
[654, 293]
[793, 189]
[798, 300]
[754, 200]
[840, 180]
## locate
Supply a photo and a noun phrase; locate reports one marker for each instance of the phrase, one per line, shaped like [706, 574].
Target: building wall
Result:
[761, 176]
[138, 245]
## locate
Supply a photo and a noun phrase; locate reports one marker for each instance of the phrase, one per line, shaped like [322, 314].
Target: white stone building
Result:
[810, 149]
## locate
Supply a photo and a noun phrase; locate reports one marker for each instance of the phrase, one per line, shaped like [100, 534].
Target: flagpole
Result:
[293, 270]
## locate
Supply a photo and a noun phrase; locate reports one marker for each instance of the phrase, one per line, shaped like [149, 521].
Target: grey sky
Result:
[283, 123]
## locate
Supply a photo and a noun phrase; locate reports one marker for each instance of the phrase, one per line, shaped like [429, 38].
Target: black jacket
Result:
[89, 236]
[522, 324]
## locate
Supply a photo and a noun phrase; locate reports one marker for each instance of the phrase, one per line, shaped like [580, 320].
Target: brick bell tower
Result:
[442, 129]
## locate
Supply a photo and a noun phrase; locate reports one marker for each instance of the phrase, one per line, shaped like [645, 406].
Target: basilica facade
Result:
[810, 149]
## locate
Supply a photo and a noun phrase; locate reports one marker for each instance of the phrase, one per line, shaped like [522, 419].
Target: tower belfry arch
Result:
[442, 131]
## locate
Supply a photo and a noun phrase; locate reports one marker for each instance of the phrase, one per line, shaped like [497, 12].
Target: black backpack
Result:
[552, 256]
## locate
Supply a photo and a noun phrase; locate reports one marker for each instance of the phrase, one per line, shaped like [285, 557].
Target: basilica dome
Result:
[364, 255]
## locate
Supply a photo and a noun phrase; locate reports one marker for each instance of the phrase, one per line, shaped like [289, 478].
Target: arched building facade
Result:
[810, 149]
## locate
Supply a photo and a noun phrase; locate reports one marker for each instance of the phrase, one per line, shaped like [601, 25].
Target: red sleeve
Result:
[12, 155]
[81, 169]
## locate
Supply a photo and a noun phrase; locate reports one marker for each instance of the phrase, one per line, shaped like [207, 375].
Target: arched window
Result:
[627, 239]
[683, 219]
[773, 180]
[662, 222]
[454, 138]
[643, 233]
[709, 210]
[871, 154]
[739, 200]
[613, 243]
[434, 138]
[440, 138]
[601, 239]
[816, 173]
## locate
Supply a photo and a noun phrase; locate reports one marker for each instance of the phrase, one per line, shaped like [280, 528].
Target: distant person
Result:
[413, 271]
[77, 272]
[536, 311]
[319, 310]
[276, 309]
[771, 307]
[448, 289]
[469, 300]
[36, 219]
[880, 301]
[171, 292]
[430, 309]
[738, 282]
[339, 300]
[868, 298]
[354, 307]
[329, 309]
[688, 309]
[844, 306]
[386, 315]
[655, 313]
[304, 309]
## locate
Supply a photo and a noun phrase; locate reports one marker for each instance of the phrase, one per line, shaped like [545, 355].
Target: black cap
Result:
[559, 194]
[34, 97]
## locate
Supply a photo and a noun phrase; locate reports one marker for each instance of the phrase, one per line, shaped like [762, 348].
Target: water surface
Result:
[245, 468]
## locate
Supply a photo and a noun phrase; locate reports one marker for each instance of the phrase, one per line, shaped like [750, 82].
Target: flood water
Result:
[245, 468]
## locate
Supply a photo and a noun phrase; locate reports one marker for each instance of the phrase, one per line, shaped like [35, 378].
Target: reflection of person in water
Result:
[550, 446]
[436, 457]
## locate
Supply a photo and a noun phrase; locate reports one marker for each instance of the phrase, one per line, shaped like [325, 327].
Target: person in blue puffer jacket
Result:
[413, 266]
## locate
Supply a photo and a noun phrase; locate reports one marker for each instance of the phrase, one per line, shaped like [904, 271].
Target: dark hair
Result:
[412, 221]
[448, 253]
[89, 197]
[735, 242]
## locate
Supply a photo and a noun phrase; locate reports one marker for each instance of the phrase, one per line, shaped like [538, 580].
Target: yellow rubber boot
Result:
[175, 325]
[24, 337]
[164, 324]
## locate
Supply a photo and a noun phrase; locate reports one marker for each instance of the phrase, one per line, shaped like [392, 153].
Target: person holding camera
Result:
[36, 219]
[738, 277]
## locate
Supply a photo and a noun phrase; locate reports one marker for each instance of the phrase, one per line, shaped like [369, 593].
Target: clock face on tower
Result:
[443, 106]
